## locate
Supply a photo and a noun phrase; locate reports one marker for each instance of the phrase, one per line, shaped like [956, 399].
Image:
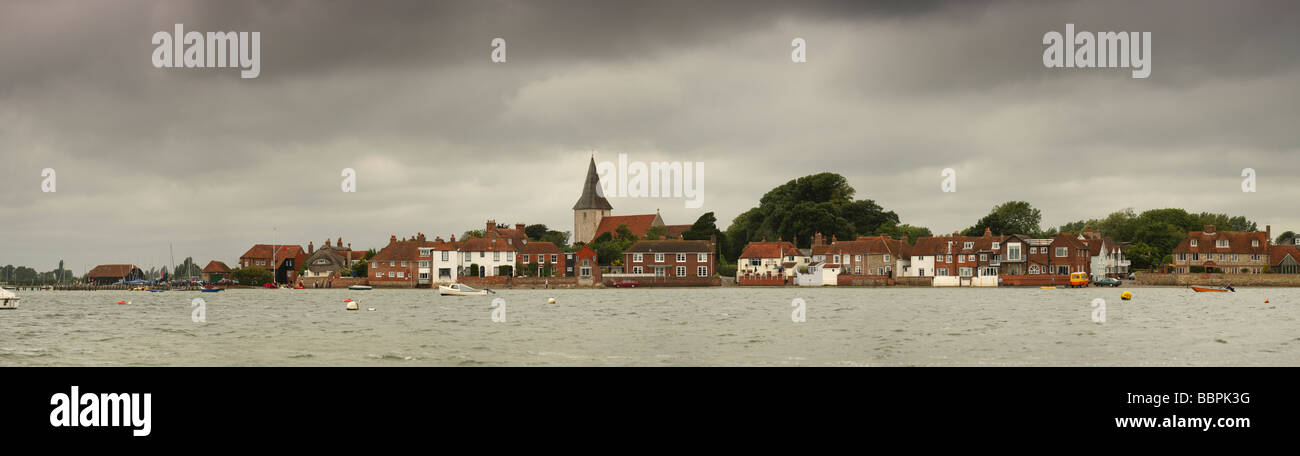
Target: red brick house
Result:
[398, 264]
[585, 265]
[550, 260]
[673, 262]
[1230, 252]
[1284, 259]
[282, 260]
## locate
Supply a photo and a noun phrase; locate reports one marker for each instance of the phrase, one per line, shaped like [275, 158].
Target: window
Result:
[681, 271]
[920, 258]
[482, 254]
[941, 272]
[857, 258]
[554, 257]
[886, 257]
[1033, 269]
[1013, 252]
[379, 275]
[392, 264]
[659, 257]
[837, 258]
[968, 246]
[403, 264]
[949, 260]
[857, 270]
[1182, 257]
[1193, 243]
[525, 259]
[681, 258]
[997, 245]
[967, 272]
[584, 271]
[496, 256]
[401, 275]
[984, 257]
[1033, 250]
[1254, 258]
[756, 262]
[1062, 252]
[424, 263]
[444, 255]
[1254, 243]
[391, 274]
[704, 258]
[637, 270]
[702, 271]
[1235, 257]
[1221, 243]
[637, 257]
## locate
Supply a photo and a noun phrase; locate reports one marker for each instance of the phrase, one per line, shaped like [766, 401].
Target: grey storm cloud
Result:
[442, 139]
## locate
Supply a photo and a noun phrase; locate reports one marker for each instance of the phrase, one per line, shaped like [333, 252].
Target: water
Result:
[657, 327]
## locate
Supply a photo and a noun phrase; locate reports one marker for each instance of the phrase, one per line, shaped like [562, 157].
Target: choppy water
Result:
[657, 327]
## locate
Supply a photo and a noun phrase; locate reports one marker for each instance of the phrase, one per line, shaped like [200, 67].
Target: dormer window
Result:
[1193, 243]
[1222, 243]
[997, 245]
[1254, 243]
[968, 245]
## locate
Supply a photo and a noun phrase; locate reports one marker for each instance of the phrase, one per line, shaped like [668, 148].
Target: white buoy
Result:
[550, 301]
[372, 309]
[352, 305]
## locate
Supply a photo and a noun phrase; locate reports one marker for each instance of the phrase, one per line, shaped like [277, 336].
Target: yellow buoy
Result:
[550, 301]
[1126, 295]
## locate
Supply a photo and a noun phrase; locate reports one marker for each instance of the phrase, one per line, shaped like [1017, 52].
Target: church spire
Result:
[591, 194]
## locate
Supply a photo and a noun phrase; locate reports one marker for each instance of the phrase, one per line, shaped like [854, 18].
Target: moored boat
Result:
[361, 287]
[460, 289]
[8, 300]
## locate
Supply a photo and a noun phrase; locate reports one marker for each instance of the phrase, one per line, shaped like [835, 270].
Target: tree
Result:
[253, 276]
[535, 232]
[559, 238]
[911, 232]
[187, 268]
[1012, 217]
[361, 268]
[819, 203]
[655, 233]
[1286, 238]
[470, 234]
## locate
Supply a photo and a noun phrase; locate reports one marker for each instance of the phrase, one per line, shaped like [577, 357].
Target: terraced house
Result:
[672, 262]
[770, 259]
[1228, 252]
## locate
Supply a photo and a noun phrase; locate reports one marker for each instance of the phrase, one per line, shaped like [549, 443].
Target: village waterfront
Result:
[732, 326]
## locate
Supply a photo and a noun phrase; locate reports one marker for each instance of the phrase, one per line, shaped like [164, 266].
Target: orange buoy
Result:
[121, 303]
[1265, 300]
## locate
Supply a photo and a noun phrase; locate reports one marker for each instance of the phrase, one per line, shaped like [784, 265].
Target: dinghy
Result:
[360, 287]
[460, 289]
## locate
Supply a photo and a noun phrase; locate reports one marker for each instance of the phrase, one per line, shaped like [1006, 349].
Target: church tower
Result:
[590, 208]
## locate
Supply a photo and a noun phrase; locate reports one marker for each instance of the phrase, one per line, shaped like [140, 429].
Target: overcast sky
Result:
[443, 139]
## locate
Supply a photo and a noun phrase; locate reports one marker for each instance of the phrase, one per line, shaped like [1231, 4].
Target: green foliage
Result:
[187, 268]
[1012, 217]
[362, 268]
[473, 269]
[559, 238]
[1286, 238]
[1153, 234]
[819, 203]
[898, 231]
[253, 276]
[655, 233]
[505, 270]
[535, 232]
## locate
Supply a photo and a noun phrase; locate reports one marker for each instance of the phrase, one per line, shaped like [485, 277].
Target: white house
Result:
[770, 259]
[488, 253]
[439, 262]
[1107, 258]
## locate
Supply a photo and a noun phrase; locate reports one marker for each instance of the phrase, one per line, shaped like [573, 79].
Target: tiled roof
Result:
[488, 244]
[638, 224]
[769, 249]
[670, 246]
[111, 270]
[215, 267]
[1278, 253]
[1238, 242]
[266, 251]
[540, 247]
[675, 231]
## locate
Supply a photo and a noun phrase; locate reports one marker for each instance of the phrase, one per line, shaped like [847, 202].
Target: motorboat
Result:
[460, 289]
[361, 287]
[1213, 289]
[8, 300]
[209, 289]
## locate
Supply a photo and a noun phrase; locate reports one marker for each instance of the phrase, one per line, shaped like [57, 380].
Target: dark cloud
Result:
[442, 139]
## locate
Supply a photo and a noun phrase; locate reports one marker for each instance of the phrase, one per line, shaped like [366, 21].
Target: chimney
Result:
[392, 238]
[327, 242]
[1268, 234]
[349, 246]
[520, 227]
[339, 243]
[491, 225]
[1209, 229]
[988, 232]
[453, 238]
[310, 248]
[421, 237]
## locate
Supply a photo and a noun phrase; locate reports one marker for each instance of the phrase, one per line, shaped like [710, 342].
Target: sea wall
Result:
[846, 280]
[771, 281]
[1237, 280]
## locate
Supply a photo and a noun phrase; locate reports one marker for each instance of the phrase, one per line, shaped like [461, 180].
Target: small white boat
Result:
[8, 300]
[361, 287]
[459, 289]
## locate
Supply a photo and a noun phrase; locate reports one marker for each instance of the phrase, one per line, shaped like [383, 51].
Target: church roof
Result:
[591, 194]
